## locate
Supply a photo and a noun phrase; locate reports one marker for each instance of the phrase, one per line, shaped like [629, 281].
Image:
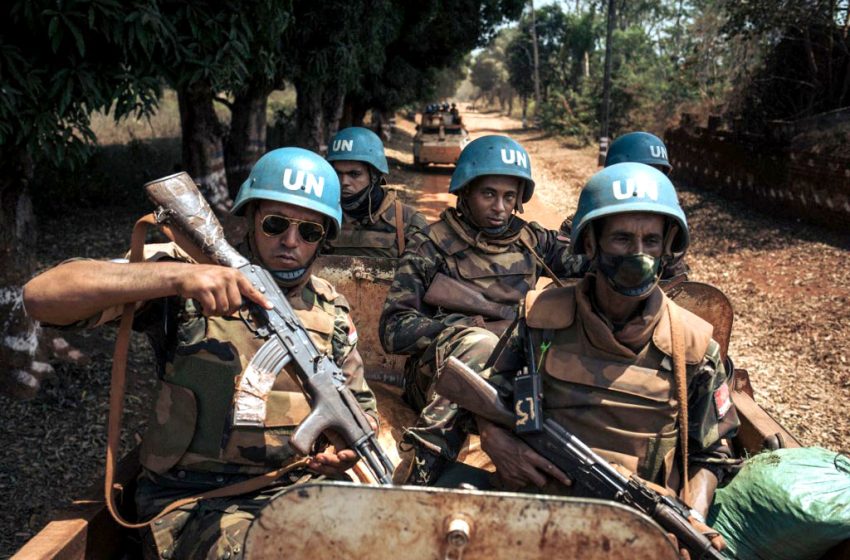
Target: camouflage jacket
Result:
[377, 235]
[202, 362]
[502, 269]
[616, 390]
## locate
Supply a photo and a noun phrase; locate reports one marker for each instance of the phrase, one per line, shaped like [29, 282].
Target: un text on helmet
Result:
[659, 152]
[343, 145]
[305, 181]
[512, 157]
[637, 187]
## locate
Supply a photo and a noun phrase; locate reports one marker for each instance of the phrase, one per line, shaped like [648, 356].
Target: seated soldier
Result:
[478, 256]
[607, 351]
[375, 223]
[204, 339]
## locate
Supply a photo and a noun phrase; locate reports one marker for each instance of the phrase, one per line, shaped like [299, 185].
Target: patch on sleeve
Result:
[722, 400]
[352, 331]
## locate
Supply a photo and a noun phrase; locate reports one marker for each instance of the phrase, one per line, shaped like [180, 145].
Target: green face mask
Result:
[630, 275]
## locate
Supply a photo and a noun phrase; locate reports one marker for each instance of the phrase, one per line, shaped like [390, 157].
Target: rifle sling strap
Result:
[539, 259]
[399, 226]
[116, 407]
[678, 340]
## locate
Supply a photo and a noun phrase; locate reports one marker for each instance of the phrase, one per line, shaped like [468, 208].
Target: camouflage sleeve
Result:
[554, 248]
[407, 324]
[416, 222]
[347, 357]
[712, 418]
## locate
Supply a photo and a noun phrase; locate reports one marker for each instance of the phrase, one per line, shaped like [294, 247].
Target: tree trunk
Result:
[358, 114]
[308, 123]
[203, 153]
[334, 100]
[20, 376]
[246, 141]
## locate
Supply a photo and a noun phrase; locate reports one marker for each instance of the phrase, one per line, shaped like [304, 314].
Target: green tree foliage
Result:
[425, 39]
[804, 67]
[59, 61]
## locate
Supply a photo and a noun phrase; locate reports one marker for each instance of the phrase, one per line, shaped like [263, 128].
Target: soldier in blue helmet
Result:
[375, 221]
[649, 149]
[608, 353]
[203, 340]
[639, 147]
[489, 255]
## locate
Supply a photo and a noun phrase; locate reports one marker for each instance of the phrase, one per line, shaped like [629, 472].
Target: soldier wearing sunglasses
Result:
[203, 339]
[375, 222]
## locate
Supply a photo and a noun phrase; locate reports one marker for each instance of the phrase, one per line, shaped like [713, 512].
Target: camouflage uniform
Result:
[615, 389]
[501, 268]
[376, 235]
[190, 445]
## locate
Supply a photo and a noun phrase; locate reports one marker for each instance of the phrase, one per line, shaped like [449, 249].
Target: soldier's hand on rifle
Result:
[517, 465]
[218, 289]
[336, 458]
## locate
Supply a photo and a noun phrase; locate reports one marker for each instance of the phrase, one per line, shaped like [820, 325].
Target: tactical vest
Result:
[624, 407]
[503, 270]
[191, 424]
[376, 239]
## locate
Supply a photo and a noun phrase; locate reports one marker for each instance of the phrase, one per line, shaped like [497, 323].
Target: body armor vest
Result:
[375, 238]
[191, 426]
[622, 404]
[502, 269]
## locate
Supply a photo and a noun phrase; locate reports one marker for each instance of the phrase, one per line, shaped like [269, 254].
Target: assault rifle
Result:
[593, 476]
[333, 405]
[454, 295]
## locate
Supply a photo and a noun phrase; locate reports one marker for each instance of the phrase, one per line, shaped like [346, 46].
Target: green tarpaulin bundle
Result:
[789, 504]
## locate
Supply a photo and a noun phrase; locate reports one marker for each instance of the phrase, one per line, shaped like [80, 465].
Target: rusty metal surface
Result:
[364, 282]
[775, 178]
[336, 520]
[710, 304]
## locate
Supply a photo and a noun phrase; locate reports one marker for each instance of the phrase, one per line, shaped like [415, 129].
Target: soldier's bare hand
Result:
[335, 459]
[517, 465]
[218, 289]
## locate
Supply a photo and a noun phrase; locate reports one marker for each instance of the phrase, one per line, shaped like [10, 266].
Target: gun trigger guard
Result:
[245, 315]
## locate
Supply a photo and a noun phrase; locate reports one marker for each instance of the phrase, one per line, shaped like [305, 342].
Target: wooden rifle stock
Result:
[454, 295]
[458, 383]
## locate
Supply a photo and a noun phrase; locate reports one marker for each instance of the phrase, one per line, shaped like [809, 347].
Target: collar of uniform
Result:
[474, 237]
[634, 335]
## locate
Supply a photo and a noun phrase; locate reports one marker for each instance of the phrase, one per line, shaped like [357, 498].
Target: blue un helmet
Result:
[639, 147]
[628, 187]
[493, 155]
[356, 143]
[294, 176]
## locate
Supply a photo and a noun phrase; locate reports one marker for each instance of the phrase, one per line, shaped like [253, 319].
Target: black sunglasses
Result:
[274, 225]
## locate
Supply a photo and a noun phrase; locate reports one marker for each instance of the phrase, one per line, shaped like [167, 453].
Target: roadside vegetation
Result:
[761, 61]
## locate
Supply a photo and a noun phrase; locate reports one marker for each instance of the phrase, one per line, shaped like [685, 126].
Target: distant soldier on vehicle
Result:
[459, 284]
[649, 149]
[637, 378]
[375, 222]
[203, 339]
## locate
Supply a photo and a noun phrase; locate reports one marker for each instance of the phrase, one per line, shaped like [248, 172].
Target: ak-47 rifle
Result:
[333, 405]
[455, 295]
[593, 476]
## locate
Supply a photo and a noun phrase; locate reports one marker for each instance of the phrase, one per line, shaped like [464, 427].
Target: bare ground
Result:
[788, 283]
